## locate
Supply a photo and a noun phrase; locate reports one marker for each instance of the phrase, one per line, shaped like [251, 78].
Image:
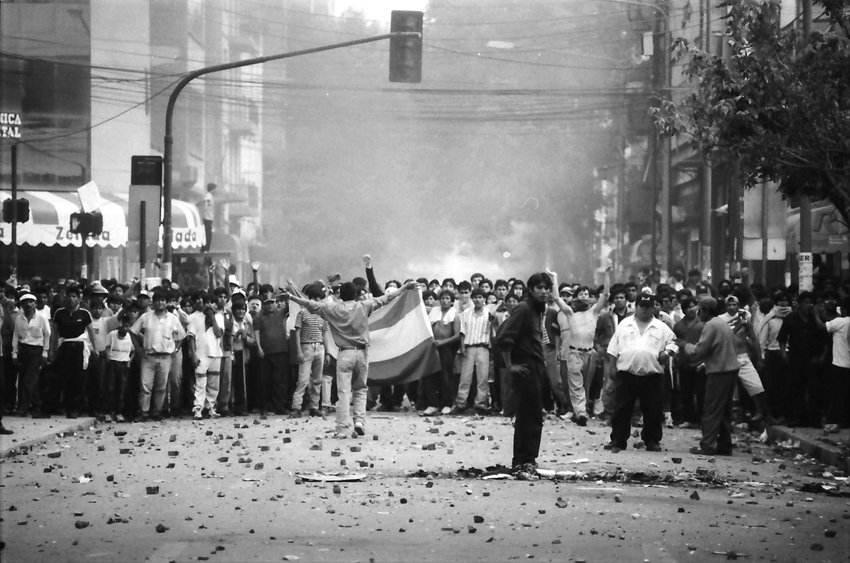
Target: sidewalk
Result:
[814, 442]
[30, 432]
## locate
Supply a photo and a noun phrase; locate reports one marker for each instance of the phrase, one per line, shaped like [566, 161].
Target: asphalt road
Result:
[240, 490]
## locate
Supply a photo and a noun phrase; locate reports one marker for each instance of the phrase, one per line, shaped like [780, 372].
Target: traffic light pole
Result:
[167, 156]
[14, 208]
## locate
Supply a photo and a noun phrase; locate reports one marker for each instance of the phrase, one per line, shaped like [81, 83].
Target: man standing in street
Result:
[716, 347]
[641, 346]
[348, 320]
[71, 326]
[30, 344]
[161, 335]
[476, 329]
[520, 341]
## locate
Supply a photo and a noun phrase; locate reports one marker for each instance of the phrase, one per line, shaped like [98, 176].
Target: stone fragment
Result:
[152, 490]
[160, 529]
[694, 495]
[478, 519]
[80, 524]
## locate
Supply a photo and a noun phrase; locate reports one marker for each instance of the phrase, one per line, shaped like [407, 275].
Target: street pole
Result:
[706, 179]
[15, 208]
[806, 260]
[167, 156]
[666, 215]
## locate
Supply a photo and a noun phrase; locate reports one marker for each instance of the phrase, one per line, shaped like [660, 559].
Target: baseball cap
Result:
[270, 299]
[732, 299]
[26, 297]
[645, 300]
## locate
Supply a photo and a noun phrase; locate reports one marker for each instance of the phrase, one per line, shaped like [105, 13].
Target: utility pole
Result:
[15, 208]
[666, 215]
[167, 157]
[706, 176]
[805, 261]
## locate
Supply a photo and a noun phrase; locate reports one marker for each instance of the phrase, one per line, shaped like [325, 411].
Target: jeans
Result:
[225, 387]
[352, 372]
[309, 375]
[553, 372]
[29, 364]
[155, 370]
[239, 383]
[647, 389]
[69, 366]
[717, 416]
[581, 368]
[206, 384]
[117, 374]
[477, 359]
[528, 426]
[173, 390]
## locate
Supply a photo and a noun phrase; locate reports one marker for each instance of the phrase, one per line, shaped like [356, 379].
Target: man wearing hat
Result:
[30, 344]
[640, 347]
[71, 327]
[716, 347]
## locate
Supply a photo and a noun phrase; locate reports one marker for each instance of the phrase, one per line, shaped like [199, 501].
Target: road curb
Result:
[79, 424]
[825, 453]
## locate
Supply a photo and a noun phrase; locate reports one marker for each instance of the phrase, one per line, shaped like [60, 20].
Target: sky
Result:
[379, 9]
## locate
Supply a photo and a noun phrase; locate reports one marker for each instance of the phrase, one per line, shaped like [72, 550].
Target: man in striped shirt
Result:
[476, 328]
[311, 331]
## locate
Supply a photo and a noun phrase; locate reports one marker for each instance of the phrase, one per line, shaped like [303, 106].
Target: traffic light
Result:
[86, 223]
[23, 214]
[406, 52]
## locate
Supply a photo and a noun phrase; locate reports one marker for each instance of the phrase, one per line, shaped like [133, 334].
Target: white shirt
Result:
[101, 331]
[206, 343]
[839, 328]
[161, 333]
[119, 348]
[638, 353]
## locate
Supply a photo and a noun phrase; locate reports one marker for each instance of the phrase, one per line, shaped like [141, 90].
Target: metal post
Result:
[15, 208]
[705, 220]
[167, 156]
[805, 262]
[666, 215]
[142, 240]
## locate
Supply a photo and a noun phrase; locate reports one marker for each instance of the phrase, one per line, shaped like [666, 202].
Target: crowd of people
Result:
[636, 354]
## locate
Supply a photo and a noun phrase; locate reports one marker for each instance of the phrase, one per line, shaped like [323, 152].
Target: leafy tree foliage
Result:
[779, 107]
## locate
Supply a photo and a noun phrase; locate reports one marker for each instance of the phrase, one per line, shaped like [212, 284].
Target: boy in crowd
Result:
[476, 328]
[205, 355]
[439, 388]
[119, 352]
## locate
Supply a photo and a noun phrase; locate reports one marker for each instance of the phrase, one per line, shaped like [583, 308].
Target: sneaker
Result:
[214, 414]
[456, 411]
[689, 426]
[359, 429]
[197, 414]
[614, 447]
[697, 450]
[582, 420]
[526, 472]
[325, 411]
[653, 447]
[313, 412]
[482, 411]
[446, 410]
[142, 418]
[668, 420]
[430, 411]
[295, 414]
[119, 418]
[340, 436]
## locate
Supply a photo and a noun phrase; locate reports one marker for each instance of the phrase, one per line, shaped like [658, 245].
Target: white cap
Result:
[27, 297]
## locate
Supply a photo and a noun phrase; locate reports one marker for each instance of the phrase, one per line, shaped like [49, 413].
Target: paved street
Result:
[239, 490]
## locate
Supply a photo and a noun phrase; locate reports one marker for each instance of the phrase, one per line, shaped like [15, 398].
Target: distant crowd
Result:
[124, 353]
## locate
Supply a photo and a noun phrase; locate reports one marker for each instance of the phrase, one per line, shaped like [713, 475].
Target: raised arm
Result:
[374, 288]
[255, 268]
[556, 297]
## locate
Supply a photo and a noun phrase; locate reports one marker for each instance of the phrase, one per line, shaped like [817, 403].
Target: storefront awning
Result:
[829, 233]
[50, 217]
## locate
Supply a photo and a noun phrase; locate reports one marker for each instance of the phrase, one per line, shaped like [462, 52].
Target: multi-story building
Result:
[90, 81]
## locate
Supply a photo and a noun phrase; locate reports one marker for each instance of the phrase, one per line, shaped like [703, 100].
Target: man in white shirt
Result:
[30, 344]
[205, 354]
[839, 374]
[160, 333]
[641, 346]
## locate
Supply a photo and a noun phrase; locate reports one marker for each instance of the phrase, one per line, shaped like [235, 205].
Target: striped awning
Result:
[50, 218]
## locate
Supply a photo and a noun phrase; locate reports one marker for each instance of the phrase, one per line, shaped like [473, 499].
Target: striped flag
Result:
[402, 345]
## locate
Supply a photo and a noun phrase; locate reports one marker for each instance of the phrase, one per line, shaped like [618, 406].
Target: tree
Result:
[778, 108]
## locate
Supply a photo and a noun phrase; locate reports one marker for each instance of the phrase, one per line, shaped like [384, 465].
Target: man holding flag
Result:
[348, 321]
